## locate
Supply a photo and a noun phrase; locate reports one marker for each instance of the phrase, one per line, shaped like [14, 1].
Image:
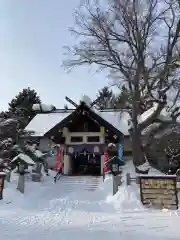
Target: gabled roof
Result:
[43, 123]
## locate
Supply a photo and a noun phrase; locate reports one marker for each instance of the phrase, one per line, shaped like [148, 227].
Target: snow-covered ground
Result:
[82, 208]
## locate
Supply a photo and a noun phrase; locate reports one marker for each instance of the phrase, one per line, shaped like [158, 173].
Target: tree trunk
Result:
[137, 146]
[136, 132]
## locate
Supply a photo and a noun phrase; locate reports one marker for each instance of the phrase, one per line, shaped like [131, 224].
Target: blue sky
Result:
[32, 34]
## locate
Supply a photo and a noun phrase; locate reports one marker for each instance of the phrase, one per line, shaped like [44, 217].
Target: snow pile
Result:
[66, 210]
[147, 113]
[126, 199]
[107, 186]
[144, 167]
[163, 116]
[43, 107]
[8, 122]
[86, 99]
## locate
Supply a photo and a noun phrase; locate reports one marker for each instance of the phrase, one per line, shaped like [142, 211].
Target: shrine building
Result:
[82, 134]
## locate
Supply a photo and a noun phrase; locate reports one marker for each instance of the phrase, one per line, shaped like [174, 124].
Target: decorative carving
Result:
[71, 150]
[96, 149]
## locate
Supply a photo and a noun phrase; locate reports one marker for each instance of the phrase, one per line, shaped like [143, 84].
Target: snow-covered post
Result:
[128, 179]
[116, 183]
[8, 176]
[21, 182]
[2, 177]
[115, 168]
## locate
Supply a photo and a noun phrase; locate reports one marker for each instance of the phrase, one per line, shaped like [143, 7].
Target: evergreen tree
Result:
[123, 100]
[21, 105]
[104, 97]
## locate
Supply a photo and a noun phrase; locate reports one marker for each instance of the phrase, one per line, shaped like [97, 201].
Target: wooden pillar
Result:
[102, 164]
[67, 164]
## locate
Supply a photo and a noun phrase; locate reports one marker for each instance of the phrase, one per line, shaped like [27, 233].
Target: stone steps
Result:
[88, 183]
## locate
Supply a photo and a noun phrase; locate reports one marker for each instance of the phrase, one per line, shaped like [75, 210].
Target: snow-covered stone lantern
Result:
[22, 161]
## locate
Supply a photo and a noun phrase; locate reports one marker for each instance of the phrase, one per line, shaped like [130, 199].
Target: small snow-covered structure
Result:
[23, 158]
[22, 162]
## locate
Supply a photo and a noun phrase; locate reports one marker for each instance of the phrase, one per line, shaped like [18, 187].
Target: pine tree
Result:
[104, 97]
[22, 104]
[123, 100]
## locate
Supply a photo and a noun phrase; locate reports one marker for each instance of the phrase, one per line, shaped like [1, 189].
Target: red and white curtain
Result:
[59, 161]
[106, 159]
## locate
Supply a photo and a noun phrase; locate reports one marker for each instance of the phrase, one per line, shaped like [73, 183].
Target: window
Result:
[76, 139]
[93, 139]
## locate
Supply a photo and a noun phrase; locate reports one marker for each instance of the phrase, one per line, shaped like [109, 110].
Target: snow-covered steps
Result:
[72, 183]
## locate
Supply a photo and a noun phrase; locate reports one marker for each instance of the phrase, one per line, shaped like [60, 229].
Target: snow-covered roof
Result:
[42, 122]
[163, 116]
[117, 119]
[25, 158]
[151, 128]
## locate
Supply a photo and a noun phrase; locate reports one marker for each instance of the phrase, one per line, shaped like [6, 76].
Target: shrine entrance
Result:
[86, 164]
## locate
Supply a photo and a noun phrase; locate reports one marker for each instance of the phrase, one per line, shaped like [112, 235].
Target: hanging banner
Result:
[102, 131]
[59, 161]
[120, 151]
[106, 159]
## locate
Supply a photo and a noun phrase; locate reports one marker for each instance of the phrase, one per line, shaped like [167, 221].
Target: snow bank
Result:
[107, 186]
[126, 199]
[66, 210]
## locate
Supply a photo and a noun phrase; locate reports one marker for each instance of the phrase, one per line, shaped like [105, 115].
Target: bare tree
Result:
[138, 42]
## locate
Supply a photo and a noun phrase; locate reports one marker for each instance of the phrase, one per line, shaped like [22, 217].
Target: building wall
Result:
[127, 146]
[85, 135]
